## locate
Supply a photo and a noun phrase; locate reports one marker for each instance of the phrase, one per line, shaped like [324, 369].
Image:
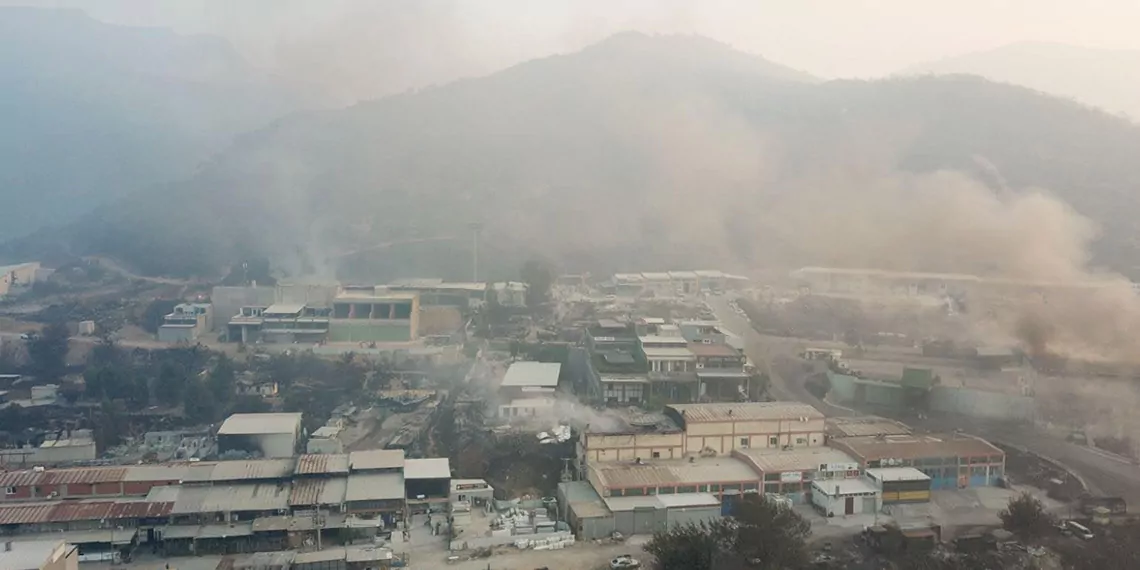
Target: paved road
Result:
[1104, 473]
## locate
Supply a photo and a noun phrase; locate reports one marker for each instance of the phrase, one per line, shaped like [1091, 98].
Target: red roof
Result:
[71, 511]
[84, 475]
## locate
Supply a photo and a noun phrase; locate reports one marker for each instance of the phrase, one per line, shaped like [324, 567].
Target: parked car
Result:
[624, 561]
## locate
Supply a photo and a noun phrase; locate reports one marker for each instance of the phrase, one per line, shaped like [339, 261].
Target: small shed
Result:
[845, 497]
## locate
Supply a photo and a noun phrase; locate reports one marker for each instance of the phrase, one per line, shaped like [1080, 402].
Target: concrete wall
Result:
[277, 445]
[228, 300]
[723, 437]
[982, 404]
[678, 516]
[306, 294]
[602, 448]
[175, 334]
[353, 330]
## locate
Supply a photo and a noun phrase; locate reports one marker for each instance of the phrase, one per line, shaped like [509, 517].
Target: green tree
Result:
[771, 534]
[1025, 516]
[222, 379]
[761, 534]
[706, 545]
[48, 352]
[200, 405]
[539, 278]
[170, 384]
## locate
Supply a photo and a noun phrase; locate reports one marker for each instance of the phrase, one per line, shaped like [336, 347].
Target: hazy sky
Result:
[371, 47]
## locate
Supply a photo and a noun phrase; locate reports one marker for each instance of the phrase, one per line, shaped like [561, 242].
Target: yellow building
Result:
[721, 428]
[699, 429]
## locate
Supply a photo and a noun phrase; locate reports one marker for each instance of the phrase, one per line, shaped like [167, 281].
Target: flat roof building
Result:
[39, 555]
[951, 461]
[273, 435]
[532, 374]
[663, 477]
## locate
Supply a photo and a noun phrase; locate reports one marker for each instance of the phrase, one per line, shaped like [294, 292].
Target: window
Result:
[801, 441]
[714, 488]
[751, 486]
[703, 489]
[773, 441]
[617, 492]
[634, 492]
[771, 487]
[657, 455]
[687, 489]
[10, 491]
[666, 490]
[744, 442]
[771, 476]
[651, 491]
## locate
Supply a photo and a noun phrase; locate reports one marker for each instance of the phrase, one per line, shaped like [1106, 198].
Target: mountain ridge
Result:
[626, 153]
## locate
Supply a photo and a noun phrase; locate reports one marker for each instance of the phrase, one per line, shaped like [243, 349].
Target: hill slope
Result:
[654, 152]
[93, 112]
[1107, 79]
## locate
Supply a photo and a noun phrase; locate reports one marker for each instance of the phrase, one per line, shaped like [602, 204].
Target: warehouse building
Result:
[716, 475]
[592, 517]
[721, 428]
[272, 435]
[845, 497]
[39, 555]
[427, 483]
[791, 473]
[862, 426]
[952, 461]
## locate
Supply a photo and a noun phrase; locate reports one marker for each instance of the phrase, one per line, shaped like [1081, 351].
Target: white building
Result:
[39, 555]
[841, 497]
[274, 435]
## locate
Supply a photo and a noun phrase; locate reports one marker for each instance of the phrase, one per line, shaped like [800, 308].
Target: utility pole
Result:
[476, 230]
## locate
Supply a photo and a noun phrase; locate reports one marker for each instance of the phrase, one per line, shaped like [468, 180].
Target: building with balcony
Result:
[374, 314]
[186, 322]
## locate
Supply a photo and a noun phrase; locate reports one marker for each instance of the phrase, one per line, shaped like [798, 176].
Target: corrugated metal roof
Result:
[258, 424]
[864, 426]
[252, 469]
[675, 472]
[532, 374]
[799, 459]
[323, 464]
[70, 511]
[168, 472]
[915, 446]
[751, 411]
[26, 513]
[429, 468]
[374, 487]
[682, 500]
[224, 498]
[140, 509]
[318, 491]
[376, 459]
[84, 475]
[898, 474]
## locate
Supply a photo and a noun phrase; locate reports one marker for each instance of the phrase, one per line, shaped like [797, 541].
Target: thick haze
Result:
[367, 48]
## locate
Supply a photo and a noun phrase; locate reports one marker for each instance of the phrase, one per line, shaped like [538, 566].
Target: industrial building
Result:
[527, 390]
[374, 314]
[900, 484]
[226, 506]
[19, 277]
[592, 517]
[952, 461]
[716, 475]
[792, 472]
[310, 313]
[724, 427]
[862, 426]
[273, 435]
[39, 555]
[700, 429]
[186, 322]
[843, 497]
